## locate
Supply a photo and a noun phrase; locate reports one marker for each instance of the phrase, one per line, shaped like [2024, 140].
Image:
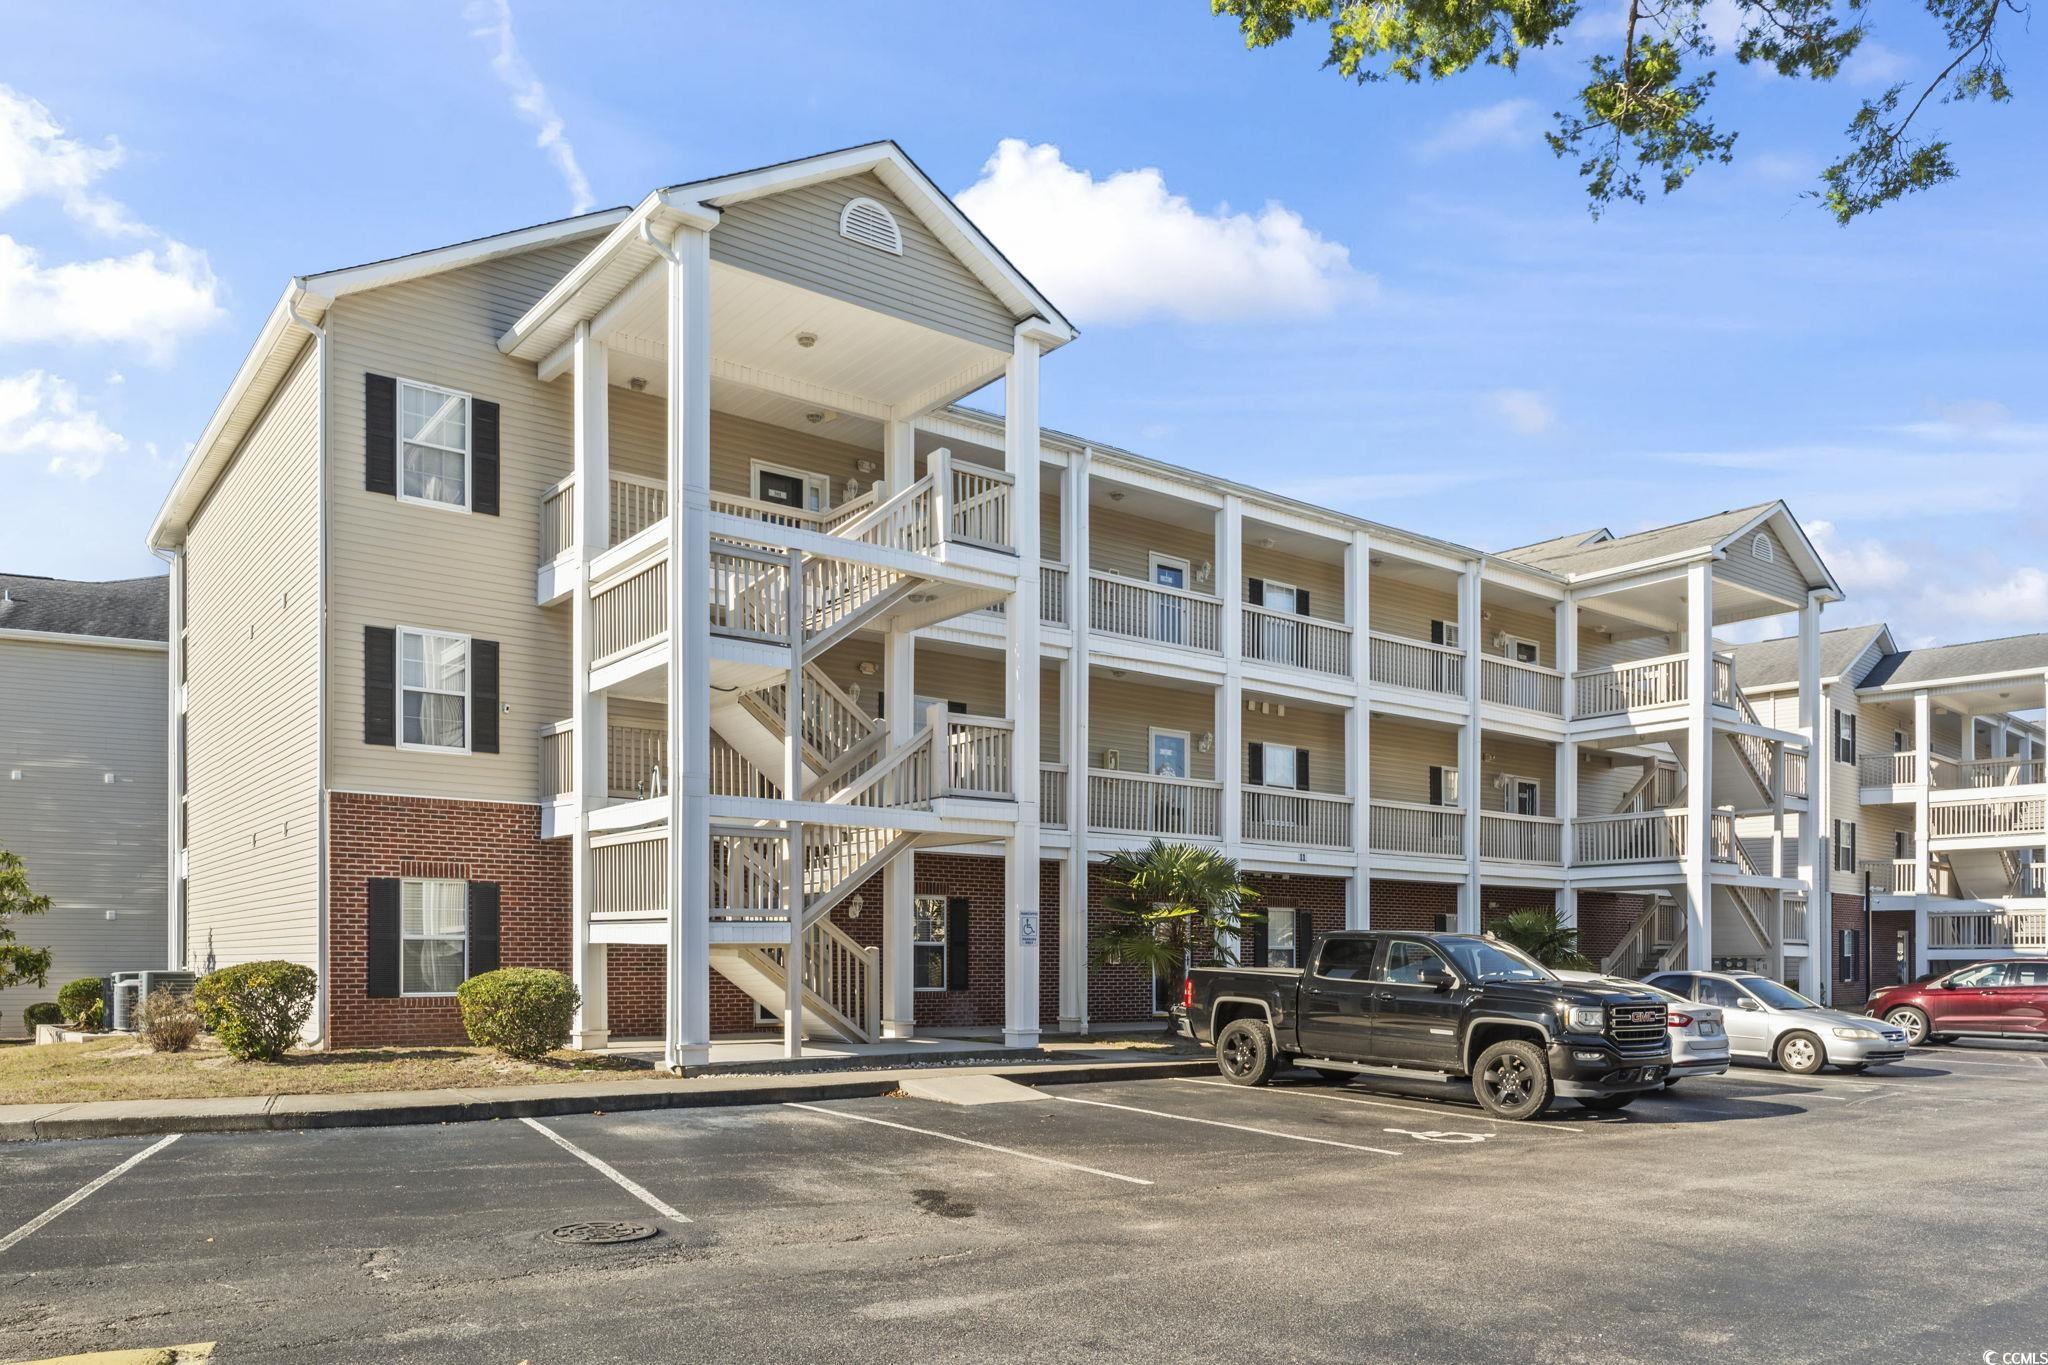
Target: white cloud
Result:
[1125, 248]
[1491, 125]
[494, 24]
[150, 299]
[1526, 412]
[1875, 64]
[40, 417]
[2019, 600]
[1862, 566]
[37, 160]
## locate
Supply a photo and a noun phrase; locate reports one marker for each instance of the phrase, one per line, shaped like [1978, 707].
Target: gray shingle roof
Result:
[1656, 543]
[126, 608]
[1972, 659]
[1576, 540]
[1775, 663]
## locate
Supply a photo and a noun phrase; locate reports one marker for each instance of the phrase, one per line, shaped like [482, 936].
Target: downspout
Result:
[318, 331]
[176, 952]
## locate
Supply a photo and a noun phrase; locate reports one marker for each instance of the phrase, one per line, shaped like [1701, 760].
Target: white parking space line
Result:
[1448, 1115]
[84, 1192]
[1947, 1059]
[1219, 1123]
[632, 1187]
[968, 1142]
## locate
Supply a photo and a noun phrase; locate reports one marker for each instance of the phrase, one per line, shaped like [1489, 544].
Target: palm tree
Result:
[1176, 904]
[1540, 934]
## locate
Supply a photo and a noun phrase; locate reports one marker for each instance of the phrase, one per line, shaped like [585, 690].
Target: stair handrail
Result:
[861, 528]
[925, 743]
[1637, 936]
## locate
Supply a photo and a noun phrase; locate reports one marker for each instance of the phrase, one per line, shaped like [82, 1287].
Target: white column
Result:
[1819, 798]
[1229, 546]
[899, 704]
[588, 710]
[1567, 794]
[174, 907]
[689, 623]
[1358, 736]
[1777, 910]
[1694, 858]
[793, 778]
[1469, 744]
[1074, 748]
[1020, 621]
[1923, 753]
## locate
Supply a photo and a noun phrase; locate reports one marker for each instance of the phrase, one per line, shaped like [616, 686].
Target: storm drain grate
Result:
[603, 1234]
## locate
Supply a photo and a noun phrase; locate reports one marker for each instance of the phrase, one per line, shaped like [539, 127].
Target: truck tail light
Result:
[1679, 1020]
[1187, 994]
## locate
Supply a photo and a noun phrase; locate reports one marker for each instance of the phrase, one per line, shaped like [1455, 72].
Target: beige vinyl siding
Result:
[77, 716]
[1121, 544]
[1777, 576]
[399, 564]
[1049, 542]
[1604, 779]
[1122, 714]
[1606, 651]
[1512, 756]
[1403, 607]
[794, 236]
[1538, 627]
[1322, 580]
[1402, 755]
[252, 719]
[1319, 732]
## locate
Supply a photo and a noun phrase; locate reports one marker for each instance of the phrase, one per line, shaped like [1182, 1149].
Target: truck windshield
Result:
[1480, 960]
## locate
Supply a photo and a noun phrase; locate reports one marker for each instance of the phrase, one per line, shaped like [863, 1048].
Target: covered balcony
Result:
[1416, 647]
[1294, 600]
[1152, 568]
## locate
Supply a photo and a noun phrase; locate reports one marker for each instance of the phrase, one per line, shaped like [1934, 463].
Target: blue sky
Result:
[1390, 300]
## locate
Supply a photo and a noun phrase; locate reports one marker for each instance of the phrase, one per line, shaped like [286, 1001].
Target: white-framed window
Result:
[787, 487]
[1169, 753]
[1278, 760]
[433, 444]
[1445, 786]
[1523, 651]
[1283, 947]
[1522, 796]
[1845, 737]
[433, 952]
[928, 942]
[1444, 633]
[433, 690]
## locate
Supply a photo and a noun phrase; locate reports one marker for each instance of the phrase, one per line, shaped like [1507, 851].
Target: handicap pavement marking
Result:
[1438, 1135]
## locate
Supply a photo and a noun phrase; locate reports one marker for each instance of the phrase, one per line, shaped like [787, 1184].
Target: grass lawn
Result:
[125, 1069]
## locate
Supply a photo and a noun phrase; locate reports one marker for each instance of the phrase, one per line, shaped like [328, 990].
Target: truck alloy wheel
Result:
[1801, 1054]
[1511, 1080]
[1912, 1021]
[1244, 1053]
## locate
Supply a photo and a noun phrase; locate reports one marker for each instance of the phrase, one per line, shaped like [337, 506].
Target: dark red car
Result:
[1983, 1000]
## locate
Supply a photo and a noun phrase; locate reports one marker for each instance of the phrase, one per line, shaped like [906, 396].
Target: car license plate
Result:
[1709, 1029]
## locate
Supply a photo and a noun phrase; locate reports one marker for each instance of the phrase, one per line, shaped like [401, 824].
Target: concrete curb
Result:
[296, 1113]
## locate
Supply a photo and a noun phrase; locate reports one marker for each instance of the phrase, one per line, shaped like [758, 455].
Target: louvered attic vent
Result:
[866, 222]
[1760, 548]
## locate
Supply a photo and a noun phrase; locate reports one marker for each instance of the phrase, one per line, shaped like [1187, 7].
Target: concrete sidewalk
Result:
[280, 1113]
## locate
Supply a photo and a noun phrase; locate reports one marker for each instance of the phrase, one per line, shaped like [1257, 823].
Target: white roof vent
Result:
[867, 222]
[1760, 548]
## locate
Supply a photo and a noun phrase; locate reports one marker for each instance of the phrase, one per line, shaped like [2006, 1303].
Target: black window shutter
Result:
[483, 457]
[483, 692]
[1301, 770]
[483, 928]
[959, 951]
[380, 433]
[1436, 632]
[1301, 601]
[958, 708]
[381, 975]
[1436, 785]
[380, 685]
[1261, 944]
[1255, 764]
[1255, 592]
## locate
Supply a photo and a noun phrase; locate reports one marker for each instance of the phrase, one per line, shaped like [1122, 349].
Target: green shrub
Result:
[42, 1012]
[166, 1021]
[82, 1002]
[523, 1012]
[257, 1009]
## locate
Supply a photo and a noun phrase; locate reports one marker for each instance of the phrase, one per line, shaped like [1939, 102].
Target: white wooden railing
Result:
[977, 501]
[1795, 770]
[1424, 830]
[840, 973]
[1133, 803]
[629, 874]
[1892, 876]
[1641, 837]
[1724, 679]
[978, 752]
[633, 759]
[1629, 687]
[732, 774]
[629, 613]
[1052, 594]
[557, 520]
[1275, 637]
[1297, 819]
[1985, 819]
[636, 504]
[1146, 611]
[1398, 661]
[1521, 838]
[1888, 770]
[749, 592]
[1052, 795]
[557, 759]
[1982, 774]
[1721, 843]
[1508, 682]
[782, 514]
[2027, 929]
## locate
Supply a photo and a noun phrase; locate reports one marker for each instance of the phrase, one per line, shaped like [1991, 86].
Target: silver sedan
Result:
[1769, 1021]
[1699, 1038]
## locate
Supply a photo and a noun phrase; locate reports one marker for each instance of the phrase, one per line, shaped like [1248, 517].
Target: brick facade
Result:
[1852, 988]
[395, 836]
[1604, 918]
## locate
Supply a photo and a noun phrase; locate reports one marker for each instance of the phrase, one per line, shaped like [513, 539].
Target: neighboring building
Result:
[84, 693]
[1937, 798]
[952, 658]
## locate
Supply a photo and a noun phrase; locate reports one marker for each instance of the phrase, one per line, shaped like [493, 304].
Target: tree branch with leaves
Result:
[1642, 118]
[19, 963]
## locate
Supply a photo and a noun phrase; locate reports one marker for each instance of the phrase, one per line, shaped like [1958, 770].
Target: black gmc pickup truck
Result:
[1461, 1005]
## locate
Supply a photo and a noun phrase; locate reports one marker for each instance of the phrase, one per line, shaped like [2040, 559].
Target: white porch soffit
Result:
[605, 282]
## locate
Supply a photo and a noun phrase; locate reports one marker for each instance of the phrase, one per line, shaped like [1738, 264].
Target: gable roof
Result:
[623, 257]
[121, 609]
[1556, 545]
[1768, 664]
[1598, 553]
[1971, 659]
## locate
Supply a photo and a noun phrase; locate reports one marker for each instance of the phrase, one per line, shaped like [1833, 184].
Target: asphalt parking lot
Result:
[1889, 1216]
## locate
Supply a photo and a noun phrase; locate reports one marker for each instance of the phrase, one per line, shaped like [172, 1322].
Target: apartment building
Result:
[1935, 803]
[635, 595]
[83, 715]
